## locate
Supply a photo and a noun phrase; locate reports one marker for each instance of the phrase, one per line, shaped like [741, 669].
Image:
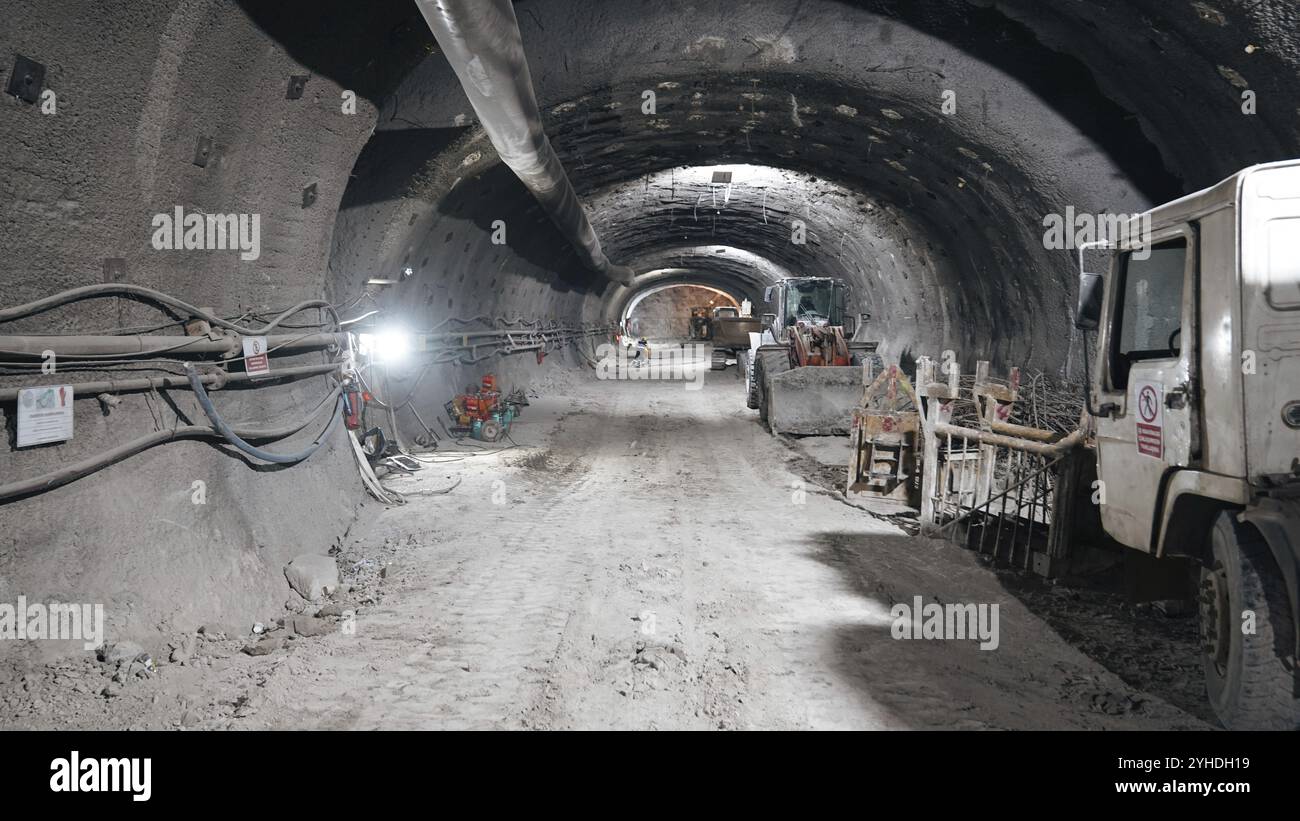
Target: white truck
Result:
[1194, 395]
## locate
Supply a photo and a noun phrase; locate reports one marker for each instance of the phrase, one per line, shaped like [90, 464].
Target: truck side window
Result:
[1284, 263]
[1149, 311]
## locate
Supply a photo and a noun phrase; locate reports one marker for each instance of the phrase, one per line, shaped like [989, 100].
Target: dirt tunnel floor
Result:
[644, 559]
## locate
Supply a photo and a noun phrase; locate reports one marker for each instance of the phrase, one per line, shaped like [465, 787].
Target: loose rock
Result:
[308, 626]
[262, 648]
[114, 654]
[335, 609]
[312, 576]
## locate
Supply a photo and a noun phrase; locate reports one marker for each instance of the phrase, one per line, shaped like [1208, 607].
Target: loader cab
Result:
[810, 300]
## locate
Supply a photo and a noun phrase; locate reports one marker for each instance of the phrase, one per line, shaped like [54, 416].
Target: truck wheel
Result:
[1246, 673]
[746, 365]
[719, 360]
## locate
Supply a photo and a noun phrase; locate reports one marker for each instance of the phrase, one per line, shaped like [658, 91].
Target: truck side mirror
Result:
[1087, 316]
[767, 295]
[850, 327]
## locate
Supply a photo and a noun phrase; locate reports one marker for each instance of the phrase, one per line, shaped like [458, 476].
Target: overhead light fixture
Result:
[406, 274]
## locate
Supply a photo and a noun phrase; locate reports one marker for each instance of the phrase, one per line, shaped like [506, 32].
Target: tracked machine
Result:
[804, 370]
[730, 332]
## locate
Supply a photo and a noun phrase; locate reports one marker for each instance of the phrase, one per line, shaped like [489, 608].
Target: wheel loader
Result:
[1194, 397]
[804, 370]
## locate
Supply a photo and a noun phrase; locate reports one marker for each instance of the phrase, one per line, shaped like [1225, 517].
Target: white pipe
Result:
[481, 41]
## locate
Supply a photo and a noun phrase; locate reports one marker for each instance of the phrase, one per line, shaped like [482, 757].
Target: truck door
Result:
[1270, 298]
[1147, 398]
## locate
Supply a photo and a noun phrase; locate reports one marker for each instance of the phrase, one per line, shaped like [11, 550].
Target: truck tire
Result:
[1247, 677]
[719, 360]
[746, 365]
[768, 364]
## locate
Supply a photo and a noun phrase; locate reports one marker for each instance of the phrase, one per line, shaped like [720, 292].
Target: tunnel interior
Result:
[911, 149]
[664, 311]
[830, 125]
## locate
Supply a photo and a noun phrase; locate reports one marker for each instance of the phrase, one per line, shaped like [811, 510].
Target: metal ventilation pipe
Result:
[482, 42]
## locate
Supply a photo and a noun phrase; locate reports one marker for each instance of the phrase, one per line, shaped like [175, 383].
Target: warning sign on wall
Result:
[256, 362]
[44, 415]
[1150, 402]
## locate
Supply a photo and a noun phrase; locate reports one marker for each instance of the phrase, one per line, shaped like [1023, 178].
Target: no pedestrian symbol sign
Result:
[256, 362]
[1150, 419]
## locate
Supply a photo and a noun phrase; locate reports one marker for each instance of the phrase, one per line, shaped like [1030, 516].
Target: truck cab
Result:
[1194, 398]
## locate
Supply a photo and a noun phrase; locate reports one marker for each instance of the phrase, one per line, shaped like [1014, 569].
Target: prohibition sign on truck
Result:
[1150, 421]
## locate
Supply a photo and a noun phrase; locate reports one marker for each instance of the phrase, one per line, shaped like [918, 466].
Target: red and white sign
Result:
[1149, 399]
[256, 362]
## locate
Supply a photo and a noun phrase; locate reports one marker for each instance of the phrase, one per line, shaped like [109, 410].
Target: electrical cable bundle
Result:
[237, 435]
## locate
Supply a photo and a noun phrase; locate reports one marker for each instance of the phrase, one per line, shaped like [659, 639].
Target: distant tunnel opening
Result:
[664, 312]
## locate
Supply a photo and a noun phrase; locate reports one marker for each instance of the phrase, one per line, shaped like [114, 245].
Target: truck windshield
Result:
[809, 302]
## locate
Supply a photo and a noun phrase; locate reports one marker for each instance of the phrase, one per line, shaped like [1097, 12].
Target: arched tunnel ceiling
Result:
[750, 225]
[1056, 105]
[1101, 67]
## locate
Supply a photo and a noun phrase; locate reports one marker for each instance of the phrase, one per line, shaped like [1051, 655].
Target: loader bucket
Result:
[815, 400]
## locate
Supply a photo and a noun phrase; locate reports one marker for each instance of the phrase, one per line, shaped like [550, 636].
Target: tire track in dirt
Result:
[491, 639]
[609, 670]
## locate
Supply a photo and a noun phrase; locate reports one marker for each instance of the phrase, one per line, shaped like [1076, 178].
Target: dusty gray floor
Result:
[644, 559]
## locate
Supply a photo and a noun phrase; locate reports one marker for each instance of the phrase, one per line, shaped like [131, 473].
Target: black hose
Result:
[150, 383]
[74, 294]
[196, 383]
[79, 470]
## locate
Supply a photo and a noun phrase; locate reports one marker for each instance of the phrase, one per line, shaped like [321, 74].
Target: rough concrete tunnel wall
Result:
[139, 88]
